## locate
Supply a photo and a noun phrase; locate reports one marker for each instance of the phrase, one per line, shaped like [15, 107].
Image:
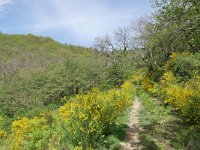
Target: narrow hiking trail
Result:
[132, 140]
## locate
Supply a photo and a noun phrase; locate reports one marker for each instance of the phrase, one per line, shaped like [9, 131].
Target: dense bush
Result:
[184, 65]
[183, 96]
[45, 86]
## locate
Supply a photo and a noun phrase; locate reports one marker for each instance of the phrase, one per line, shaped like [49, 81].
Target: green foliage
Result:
[174, 27]
[180, 18]
[115, 74]
[116, 133]
[118, 68]
[185, 66]
[46, 86]
[38, 139]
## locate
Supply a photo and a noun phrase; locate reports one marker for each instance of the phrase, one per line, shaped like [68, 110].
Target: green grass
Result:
[116, 133]
[163, 129]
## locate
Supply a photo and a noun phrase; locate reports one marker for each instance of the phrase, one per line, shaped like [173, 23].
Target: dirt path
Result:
[133, 130]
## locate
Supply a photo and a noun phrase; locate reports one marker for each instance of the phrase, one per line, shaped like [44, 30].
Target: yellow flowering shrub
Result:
[79, 124]
[2, 134]
[88, 115]
[23, 128]
[150, 86]
[168, 77]
[146, 84]
[137, 78]
[19, 128]
[184, 96]
[178, 96]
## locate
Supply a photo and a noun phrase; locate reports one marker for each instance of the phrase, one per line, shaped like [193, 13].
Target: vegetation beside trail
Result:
[163, 128]
[81, 123]
[169, 54]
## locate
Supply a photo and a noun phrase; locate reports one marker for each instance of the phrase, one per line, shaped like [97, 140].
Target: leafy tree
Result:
[174, 27]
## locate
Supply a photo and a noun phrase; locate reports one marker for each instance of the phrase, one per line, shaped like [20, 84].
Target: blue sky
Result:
[69, 21]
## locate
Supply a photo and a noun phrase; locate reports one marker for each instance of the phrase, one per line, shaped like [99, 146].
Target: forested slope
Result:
[35, 70]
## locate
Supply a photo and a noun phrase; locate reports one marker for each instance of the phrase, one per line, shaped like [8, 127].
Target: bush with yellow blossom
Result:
[30, 133]
[79, 124]
[86, 116]
[184, 96]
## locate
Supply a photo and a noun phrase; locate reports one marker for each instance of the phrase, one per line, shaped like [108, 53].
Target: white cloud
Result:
[84, 19]
[77, 21]
[3, 3]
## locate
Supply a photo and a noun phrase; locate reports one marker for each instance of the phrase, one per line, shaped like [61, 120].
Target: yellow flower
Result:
[2, 134]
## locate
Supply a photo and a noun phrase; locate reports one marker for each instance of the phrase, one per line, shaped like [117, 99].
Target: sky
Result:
[75, 22]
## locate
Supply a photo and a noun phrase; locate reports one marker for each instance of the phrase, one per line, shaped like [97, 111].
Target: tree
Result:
[173, 28]
[122, 41]
[180, 19]
[145, 32]
[114, 50]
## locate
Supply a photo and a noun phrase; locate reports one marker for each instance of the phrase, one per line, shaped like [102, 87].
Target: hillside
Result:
[33, 52]
[34, 71]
